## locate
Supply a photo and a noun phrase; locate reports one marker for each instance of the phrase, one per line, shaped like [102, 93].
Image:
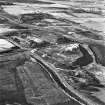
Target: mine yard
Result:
[52, 52]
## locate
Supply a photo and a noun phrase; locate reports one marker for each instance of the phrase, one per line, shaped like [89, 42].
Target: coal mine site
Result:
[52, 52]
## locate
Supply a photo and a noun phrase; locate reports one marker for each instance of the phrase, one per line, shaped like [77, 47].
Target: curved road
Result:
[69, 90]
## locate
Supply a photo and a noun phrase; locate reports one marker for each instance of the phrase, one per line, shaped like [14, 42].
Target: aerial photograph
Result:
[52, 52]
